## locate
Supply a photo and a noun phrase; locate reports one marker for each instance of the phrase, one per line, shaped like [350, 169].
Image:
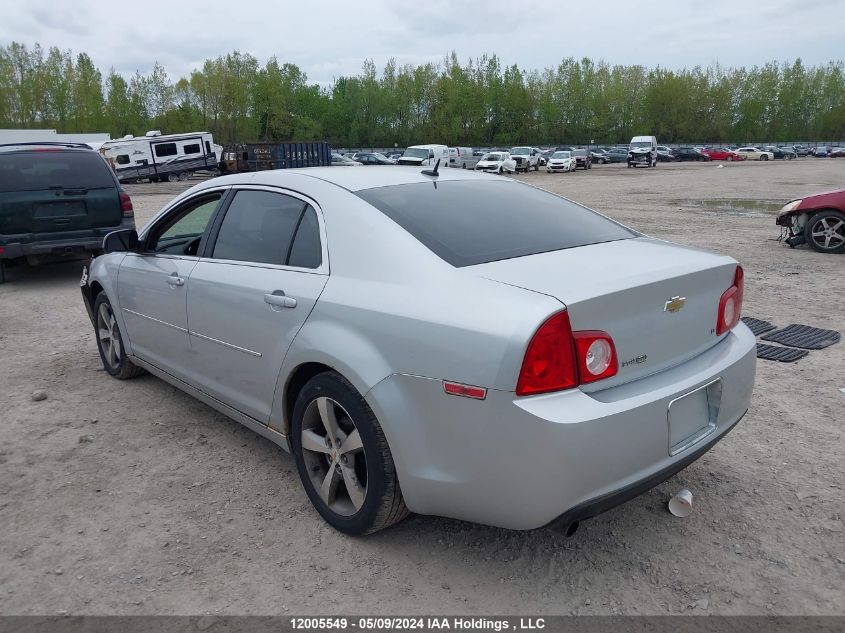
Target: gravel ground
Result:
[133, 498]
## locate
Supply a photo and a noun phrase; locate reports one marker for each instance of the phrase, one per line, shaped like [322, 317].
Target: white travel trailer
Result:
[161, 157]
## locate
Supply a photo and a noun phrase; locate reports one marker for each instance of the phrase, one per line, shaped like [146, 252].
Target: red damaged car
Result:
[817, 220]
[721, 153]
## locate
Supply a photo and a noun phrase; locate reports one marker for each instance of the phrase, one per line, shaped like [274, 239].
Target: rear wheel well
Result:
[296, 382]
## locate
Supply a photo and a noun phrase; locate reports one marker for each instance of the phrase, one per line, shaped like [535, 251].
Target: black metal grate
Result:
[803, 336]
[758, 326]
[782, 354]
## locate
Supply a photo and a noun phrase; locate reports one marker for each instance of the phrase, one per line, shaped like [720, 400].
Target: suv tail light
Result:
[126, 205]
[558, 358]
[730, 304]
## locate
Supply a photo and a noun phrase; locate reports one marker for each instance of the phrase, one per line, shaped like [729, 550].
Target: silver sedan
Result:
[456, 344]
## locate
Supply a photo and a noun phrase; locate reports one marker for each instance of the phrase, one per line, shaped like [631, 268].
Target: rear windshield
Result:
[473, 222]
[54, 169]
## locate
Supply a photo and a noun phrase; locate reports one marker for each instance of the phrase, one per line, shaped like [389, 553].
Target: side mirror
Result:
[123, 241]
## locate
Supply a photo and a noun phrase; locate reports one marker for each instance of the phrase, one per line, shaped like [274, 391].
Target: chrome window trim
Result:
[190, 258]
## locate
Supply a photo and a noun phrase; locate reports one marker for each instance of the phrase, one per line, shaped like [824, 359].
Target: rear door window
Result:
[306, 251]
[54, 169]
[259, 227]
[471, 222]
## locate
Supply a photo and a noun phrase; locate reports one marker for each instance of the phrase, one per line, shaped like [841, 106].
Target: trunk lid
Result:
[623, 288]
[45, 192]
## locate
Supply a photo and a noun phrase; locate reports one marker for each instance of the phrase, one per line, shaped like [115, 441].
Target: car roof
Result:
[40, 146]
[370, 178]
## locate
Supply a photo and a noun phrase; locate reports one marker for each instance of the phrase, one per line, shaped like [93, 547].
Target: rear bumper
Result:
[523, 463]
[606, 502]
[58, 244]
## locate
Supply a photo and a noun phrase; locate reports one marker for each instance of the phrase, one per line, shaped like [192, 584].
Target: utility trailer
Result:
[160, 156]
[261, 156]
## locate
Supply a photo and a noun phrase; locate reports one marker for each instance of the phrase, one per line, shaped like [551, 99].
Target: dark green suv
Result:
[57, 200]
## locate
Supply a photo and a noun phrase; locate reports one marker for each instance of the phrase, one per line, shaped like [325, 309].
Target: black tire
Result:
[764, 157]
[835, 221]
[383, 503]
[122, 368]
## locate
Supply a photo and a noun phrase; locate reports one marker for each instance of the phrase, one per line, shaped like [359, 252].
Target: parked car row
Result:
[642, 151]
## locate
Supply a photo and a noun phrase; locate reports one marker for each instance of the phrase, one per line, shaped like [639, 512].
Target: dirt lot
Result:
[131, 497]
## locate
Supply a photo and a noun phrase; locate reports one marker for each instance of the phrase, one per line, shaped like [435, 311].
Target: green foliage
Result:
[480, 102]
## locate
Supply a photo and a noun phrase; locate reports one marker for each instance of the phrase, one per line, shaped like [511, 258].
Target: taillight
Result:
[549, 363]
[126, 205]
[558, 358]
[730, 304]
[596, 355]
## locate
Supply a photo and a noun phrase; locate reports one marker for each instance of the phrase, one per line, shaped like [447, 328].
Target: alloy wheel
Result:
[829, 233]
[334, 456]
[108, 335]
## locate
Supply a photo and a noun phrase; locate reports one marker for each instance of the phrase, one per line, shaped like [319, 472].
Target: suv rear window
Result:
[58, 169]
[472, 222]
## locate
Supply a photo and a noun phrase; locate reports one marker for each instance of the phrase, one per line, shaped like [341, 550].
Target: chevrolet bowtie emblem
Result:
[674, 304]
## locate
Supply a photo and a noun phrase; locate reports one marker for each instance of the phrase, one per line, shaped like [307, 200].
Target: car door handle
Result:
[175, 280]
[278, 298]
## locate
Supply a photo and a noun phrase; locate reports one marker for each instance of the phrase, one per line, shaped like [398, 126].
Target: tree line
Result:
[481, 102]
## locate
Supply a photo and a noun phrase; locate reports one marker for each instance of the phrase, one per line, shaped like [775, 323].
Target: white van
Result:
[461, 157]
[419, 155]
[642, 151]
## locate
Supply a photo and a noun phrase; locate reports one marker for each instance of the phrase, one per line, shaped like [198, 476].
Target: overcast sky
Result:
[331, 38]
